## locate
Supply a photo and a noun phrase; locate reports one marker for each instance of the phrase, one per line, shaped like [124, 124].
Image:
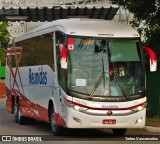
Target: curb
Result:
[152, 129]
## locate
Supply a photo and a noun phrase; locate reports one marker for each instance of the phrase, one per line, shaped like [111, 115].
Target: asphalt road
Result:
[39, 129]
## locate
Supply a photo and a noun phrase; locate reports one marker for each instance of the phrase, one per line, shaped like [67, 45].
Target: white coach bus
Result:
[78, 73]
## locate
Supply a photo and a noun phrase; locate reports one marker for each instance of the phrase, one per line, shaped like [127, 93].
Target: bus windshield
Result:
[126, 68]
[100, 67]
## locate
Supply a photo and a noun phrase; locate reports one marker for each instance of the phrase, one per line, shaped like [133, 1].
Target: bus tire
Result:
[13, 103]
[15, 112]
[57, 130]
[119, 131]
[17, 115]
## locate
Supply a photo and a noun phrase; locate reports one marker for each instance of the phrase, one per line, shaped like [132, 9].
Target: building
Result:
[19, 28]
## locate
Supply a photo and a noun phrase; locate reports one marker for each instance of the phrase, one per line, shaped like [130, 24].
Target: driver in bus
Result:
[121, 70]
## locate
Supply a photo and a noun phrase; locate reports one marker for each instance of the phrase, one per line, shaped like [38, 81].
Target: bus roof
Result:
[85, 27]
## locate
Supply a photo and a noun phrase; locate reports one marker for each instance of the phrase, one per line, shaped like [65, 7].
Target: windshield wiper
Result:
[121, 85]
[103, 73]
[99, 81]
[96, 85]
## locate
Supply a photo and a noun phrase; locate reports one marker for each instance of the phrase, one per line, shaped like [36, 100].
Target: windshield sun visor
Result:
[123, 51]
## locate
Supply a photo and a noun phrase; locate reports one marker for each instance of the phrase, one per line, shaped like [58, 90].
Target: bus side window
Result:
[45, 50]
[37, 51]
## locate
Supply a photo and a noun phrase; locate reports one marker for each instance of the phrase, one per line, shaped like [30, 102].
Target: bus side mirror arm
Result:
[153, 58]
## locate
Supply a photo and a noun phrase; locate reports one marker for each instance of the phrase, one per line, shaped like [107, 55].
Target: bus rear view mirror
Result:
[63, 56]
[153, 58]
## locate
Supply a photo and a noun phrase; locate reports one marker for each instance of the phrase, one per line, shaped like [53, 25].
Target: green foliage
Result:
[2, 56]
[146, 20]
[4, 39]
[4, 34]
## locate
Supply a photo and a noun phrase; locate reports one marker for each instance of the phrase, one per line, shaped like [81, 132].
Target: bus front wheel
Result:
[119, 131]
[57, 130]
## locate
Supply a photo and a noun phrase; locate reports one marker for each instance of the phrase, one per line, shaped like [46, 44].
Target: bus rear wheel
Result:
[57, 130]
[17, 115]
[15, 112]
[119, 131]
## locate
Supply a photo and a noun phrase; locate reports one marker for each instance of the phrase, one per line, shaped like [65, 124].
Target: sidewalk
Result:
[152, 125]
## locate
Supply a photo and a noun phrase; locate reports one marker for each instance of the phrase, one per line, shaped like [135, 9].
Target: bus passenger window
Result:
[37, 51]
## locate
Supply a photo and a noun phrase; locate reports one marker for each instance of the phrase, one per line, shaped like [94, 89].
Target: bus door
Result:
[61, 71]
[62, 79]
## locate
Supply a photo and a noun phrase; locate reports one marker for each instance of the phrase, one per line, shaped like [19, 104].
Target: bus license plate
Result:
[109, 121]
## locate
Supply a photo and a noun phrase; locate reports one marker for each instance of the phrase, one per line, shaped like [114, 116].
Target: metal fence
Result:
[153, 94]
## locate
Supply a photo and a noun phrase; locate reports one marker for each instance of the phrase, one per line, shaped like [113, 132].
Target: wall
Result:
[153, 94]
[2, 88]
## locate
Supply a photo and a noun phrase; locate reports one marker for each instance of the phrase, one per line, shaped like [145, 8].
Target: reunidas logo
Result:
[37, 78]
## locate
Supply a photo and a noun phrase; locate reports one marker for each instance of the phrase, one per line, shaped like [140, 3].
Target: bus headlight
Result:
[75, 107]
[139, 108]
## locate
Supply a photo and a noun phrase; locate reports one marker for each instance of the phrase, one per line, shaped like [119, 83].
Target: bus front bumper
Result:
[76, 119]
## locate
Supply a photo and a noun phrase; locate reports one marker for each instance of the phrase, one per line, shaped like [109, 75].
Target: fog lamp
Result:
[139, 120]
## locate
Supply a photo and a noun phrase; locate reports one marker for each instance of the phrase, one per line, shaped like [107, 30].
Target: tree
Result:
[4, 39]
[146, 20]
